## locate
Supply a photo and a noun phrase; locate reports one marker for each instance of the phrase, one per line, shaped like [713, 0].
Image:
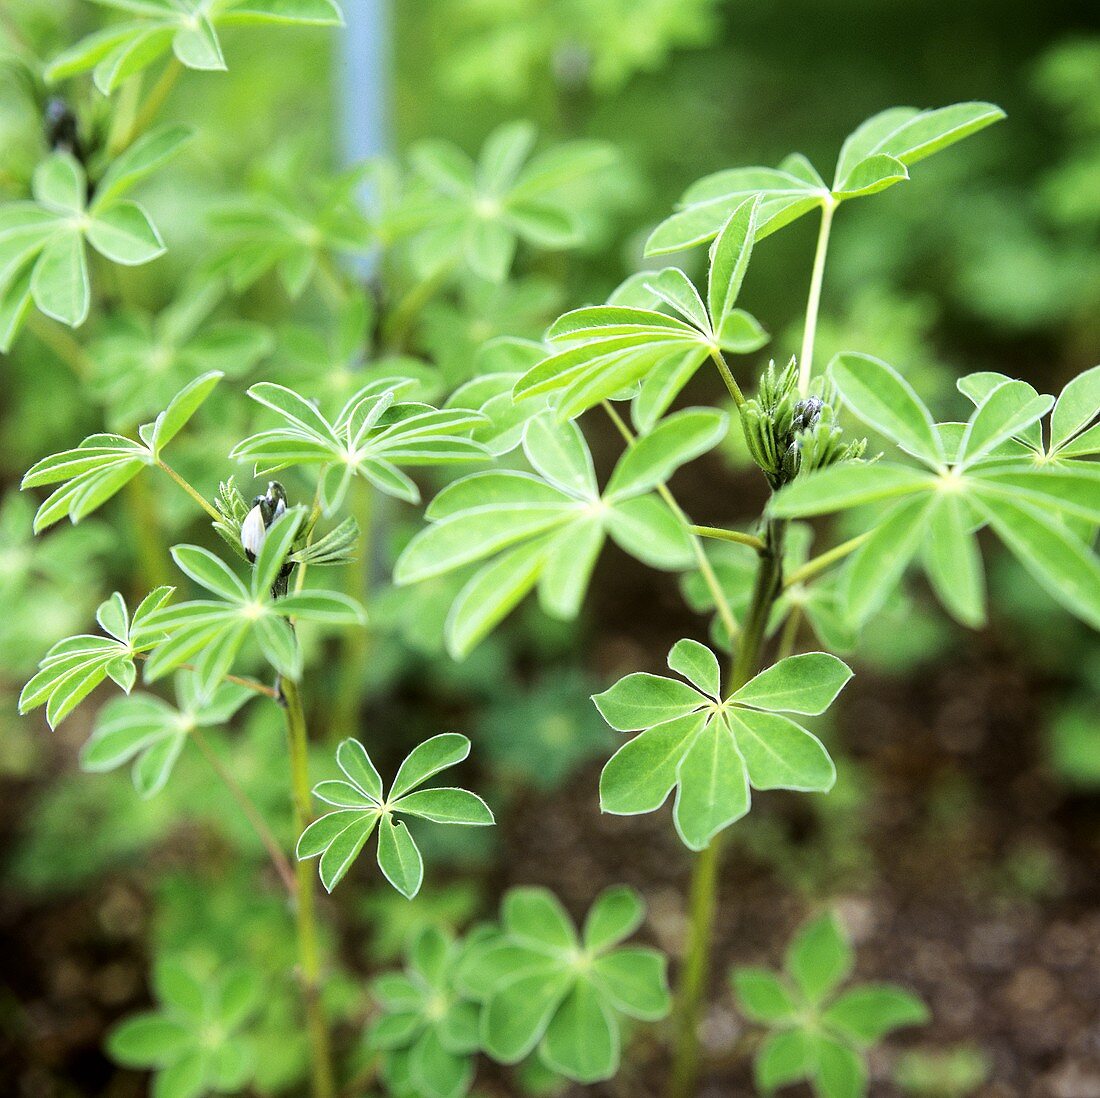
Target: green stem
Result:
[727, 377]
[813, 302]
[356, 642]
[147, 537]
[193, 492]
[251, 812]
[705, 871]
[820, 563]
[789, 635]
[323, 1080]
[719, 533]
[702, 561]
[159, 92]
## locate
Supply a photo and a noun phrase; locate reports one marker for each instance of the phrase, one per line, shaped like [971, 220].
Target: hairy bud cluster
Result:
[786, 434]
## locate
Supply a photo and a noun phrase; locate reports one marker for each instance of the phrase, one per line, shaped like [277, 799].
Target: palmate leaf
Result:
[43, 242]
[294, 235]
[102, 465]
[545, 986]
[209, 633]
[197, 1039]
[370, 437]
[993, 469]
[152, 733]
[360, 807]
[158, 27]
[874, 157]
[713, 749]
[141, 360]
[74, 667]
[547, 529]
[598, 353]
[818, 1035]
[427, 1029]
[480, 211]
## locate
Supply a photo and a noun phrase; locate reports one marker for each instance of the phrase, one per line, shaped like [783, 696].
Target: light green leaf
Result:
[344, 848]
[1077, 407]
[850, 484]
[646, 528]
[783, 1058]
[819, 957]
[516, 1017]
[698, 664]
[780, 754]
[582, 1039]
[713, 786]
[568, 564]
[124, 234]
[868, 1013]
[729, 260]
[763, 996]
[59, 184]
[636, 982]
[807, 683]
[841, 1072]
[879, 396]
[641, 700]
[399, 858]
[448, 806]
[535, 918]
[59, 283]
[953, 561]
[616, 914]
[872, 175]
[353, 760]
[1006, 412]
[428, 759]
[559, 453]
[148, 153]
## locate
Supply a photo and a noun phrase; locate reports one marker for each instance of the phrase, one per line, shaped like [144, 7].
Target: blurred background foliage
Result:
[990, 259]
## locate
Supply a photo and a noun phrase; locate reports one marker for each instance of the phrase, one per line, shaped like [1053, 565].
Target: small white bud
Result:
[253, 532]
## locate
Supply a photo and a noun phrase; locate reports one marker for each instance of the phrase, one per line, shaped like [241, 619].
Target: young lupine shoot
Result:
[197, 1041]
[102, 465]
[817, 1034]
[211, 632]
[545, 987]
[479, 212]
[971, 475]
[875, 156]
[74, 667]
[160, 27]
[427, 1032]
[152, 732]
[361, 806]
[713, 748]
[372, 435]
[548, 528]
[45, 241]
[603, 352]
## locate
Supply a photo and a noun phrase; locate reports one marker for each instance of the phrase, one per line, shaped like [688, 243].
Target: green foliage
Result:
[74, 667]
[102, 465]
[819, 1033]
[157, 27]
[427, 1030]
[975, 474]
[548, 528]
[545, 987]
[711, 747]
[952, 1073]
[170, 349]
[194, 1042]
[43, 243]
[211, 632]
[361, 806]
[370, 437]
[152, 733]
[601, 353]
[478, 212]
[875, 156]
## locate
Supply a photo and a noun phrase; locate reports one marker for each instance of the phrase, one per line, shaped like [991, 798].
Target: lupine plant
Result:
[500, 438]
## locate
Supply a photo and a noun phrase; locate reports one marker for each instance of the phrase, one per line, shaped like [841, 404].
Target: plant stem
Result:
[146, 534]
[153, 103]
[193, 492]
[789, 635]
[705, 871]
[718, 533]
[721, 603]
[240, 680]
[813, 302]
[727, 377]
[820, 563]
[323, 1081]
[251, 812]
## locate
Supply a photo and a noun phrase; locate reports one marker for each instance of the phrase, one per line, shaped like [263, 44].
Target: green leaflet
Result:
[547, 530]
[599, 353]
[157, 29]
[818, 1033]
[991, 470]
[875, 156]
[43, 242]
[543, 986]
[713, 749]
[338, 836]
